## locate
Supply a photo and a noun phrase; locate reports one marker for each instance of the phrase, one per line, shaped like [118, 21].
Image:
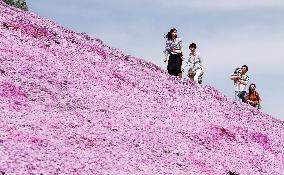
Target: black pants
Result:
[174, 64]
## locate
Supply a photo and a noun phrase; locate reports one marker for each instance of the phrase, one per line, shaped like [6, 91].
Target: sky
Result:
[228, 34]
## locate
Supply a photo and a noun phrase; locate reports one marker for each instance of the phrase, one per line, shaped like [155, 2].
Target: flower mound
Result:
[72, 105]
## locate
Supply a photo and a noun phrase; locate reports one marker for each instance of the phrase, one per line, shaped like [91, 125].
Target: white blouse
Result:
[194, 61]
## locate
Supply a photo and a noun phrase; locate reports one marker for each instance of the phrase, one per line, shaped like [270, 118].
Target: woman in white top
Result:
[173, 51]
[194, 64]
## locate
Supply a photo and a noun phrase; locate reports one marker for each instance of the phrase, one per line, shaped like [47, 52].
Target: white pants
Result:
[198, 73]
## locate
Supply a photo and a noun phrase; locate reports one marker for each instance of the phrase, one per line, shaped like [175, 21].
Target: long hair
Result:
[250, 91]
[169, 35]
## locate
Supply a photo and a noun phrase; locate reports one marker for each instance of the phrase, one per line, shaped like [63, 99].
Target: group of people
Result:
[241, 79]
[175, 57]
[193, 66]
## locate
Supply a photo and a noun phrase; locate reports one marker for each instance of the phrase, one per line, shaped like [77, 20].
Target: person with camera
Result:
[241, 80]
[173, 51]
[193, 63]
[237, 72]
[253, 97]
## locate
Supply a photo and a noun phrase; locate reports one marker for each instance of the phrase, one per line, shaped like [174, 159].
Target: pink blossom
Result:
[72, 105]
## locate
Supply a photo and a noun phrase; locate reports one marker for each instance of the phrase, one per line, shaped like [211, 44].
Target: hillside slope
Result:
[72, 105]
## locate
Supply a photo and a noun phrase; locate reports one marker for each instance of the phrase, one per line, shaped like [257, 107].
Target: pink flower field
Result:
[69, 104]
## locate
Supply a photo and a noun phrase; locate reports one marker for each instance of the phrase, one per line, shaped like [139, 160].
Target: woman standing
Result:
[195, 65]
[253, 97]
[174, 52]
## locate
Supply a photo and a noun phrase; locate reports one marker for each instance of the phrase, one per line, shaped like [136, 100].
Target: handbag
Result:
[191, 73]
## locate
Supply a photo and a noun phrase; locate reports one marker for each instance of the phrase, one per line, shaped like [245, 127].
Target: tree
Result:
[17, 3]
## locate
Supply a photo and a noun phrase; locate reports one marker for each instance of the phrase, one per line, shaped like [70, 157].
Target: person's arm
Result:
[252, 103]
[181, 48]
[249, 101]
[185, 63]
[166, 58]
[258, 97]
[201, 64]
[167, 51]
[244, 82]
[235, 77]
[190, 61]
[182, 53]
[177, 50]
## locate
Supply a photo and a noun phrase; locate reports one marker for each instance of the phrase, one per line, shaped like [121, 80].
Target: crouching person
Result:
[253, 97]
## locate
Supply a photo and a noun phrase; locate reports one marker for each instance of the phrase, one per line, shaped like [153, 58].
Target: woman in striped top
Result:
[173, 53]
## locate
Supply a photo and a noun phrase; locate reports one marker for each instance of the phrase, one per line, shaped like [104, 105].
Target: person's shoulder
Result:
[168, 42]
[246, 75]
[178, 39]
[198, 54]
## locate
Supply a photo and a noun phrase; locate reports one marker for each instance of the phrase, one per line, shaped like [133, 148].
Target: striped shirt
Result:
[172, 44]
[193, 61]
[239, 85]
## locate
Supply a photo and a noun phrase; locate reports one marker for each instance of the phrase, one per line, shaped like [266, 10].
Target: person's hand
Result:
[251, 102]
[182, 69]
[236, 78]
[165, 60]
[176, 51]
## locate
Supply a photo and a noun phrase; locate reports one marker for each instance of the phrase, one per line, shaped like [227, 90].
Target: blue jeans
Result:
[240, 95]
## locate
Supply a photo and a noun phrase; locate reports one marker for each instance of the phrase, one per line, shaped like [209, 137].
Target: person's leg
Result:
[179, 63]
[171, 64]
[242, 96]
[200, 78]
[173, 72]
[237, 95]
[176, 73]
[170, 72]
[196, 76]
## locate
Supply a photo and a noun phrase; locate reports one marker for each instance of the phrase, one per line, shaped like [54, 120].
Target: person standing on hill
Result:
[241, 80]
[194, 62]
[173, 53]
[253, 97]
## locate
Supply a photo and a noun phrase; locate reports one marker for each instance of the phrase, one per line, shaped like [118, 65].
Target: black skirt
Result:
[174, 64]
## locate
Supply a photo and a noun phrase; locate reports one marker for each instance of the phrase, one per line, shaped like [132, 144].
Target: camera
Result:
[237, 71]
